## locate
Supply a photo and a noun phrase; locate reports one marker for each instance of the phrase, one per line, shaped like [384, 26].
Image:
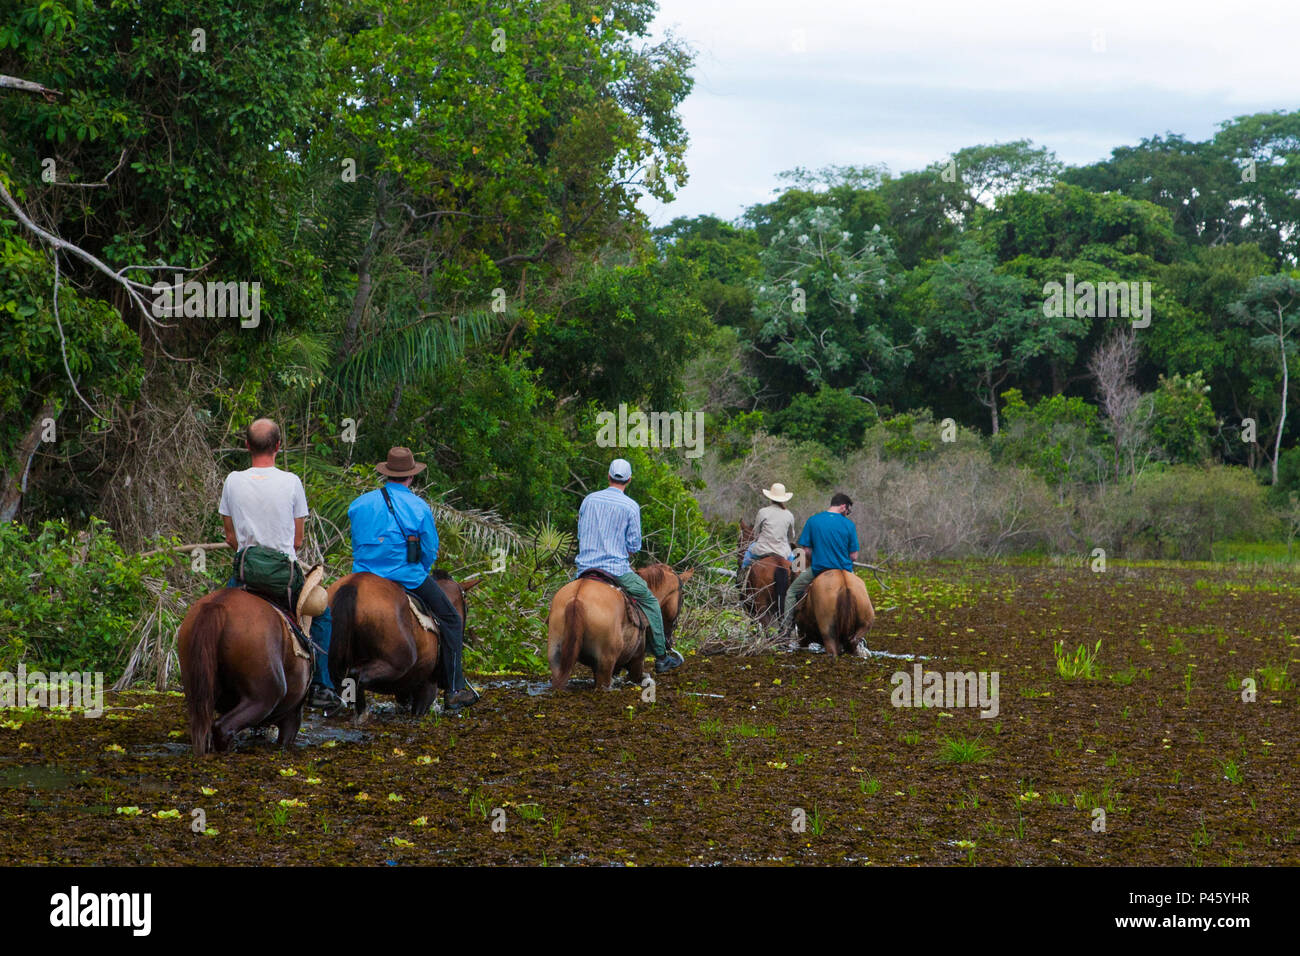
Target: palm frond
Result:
[300, 358]
[404, 353]
[472, 529]
[546, 540]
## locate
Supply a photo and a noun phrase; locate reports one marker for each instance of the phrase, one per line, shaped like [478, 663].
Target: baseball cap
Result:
[620, 469]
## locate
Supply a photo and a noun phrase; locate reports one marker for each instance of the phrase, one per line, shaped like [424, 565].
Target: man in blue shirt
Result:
[830, 541]
[383, 522]
[609, 532]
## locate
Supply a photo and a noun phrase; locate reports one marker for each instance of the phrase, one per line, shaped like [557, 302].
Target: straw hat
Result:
[312, 599]
[778, 493]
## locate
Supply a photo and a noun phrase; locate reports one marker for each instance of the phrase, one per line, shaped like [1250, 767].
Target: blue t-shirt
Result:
[832, 538]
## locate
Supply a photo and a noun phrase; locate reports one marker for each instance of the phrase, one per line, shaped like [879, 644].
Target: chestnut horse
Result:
[237, 657]
[378, 642]
[764, 583]
[836, 612]
[589, 623]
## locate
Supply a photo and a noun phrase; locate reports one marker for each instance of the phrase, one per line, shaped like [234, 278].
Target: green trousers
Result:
[645, 599]
[792, 596]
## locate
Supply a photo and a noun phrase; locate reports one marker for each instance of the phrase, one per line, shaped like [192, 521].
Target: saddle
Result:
[634, 612]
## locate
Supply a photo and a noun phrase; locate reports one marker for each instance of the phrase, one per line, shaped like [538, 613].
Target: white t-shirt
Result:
[263, 503]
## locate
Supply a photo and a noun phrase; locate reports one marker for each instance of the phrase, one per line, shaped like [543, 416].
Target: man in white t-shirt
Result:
[266, 506]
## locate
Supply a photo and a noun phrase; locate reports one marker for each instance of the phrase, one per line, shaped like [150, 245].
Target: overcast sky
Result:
[784, 83]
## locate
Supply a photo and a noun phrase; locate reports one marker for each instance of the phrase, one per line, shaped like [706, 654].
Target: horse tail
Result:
[781, 582]
[845, 616]
[201, 687]
[344, 611]
[565, 657]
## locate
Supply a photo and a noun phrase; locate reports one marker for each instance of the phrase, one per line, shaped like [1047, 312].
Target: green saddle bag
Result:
[269, 572]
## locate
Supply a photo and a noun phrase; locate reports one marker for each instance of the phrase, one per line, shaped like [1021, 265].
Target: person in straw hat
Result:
[263, 505]
[394, 536]
[773, 528]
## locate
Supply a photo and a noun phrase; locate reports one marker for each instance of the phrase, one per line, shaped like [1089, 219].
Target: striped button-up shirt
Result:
[609, 529]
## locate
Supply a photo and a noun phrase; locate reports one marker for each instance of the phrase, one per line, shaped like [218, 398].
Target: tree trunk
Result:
[11, 485]
[1281, 424]
[364, 278]
[358, 306]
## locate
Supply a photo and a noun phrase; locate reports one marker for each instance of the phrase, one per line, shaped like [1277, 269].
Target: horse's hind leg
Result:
[423, 698]
[603, 671]
[249, 712]
[289, 727]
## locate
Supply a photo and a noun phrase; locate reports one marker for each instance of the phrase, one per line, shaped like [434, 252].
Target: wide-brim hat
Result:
[778, 493]
[313, 599]
[401, 463]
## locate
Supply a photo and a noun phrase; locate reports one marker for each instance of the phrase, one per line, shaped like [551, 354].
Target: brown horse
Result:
[764, 583]
[237, 658]
[836, 612]
[378, 642]
[765, 586]
[589, 623]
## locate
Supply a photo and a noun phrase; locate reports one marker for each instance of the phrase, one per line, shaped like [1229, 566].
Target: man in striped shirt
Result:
[609, 532]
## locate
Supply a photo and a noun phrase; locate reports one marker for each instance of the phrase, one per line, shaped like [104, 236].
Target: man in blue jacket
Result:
[830, 541]
[393, 536]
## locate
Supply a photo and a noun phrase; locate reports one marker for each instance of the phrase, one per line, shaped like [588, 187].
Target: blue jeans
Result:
[322, 628]
[749, 557]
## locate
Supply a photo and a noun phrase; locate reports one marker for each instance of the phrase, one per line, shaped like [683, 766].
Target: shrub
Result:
[1059, 438]
[1180, 511]
[69, 600]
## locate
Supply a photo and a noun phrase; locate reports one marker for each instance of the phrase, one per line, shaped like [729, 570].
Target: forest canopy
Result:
[436, 205]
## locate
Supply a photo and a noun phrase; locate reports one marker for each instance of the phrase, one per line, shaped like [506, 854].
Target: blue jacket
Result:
[378, 546]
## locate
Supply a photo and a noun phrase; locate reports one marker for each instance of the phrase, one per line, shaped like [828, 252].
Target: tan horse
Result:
[237, 658]
[378, 642]
[836, 612]
[589, 624]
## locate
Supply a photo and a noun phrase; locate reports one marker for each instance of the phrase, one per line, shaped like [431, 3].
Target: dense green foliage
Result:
[69, 597]
[438, 199]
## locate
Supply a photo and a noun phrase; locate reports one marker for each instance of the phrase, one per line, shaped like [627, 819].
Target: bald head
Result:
[263, 437]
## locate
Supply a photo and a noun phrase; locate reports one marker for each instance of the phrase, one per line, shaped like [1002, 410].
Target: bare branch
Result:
[134, 290]
[27, 86]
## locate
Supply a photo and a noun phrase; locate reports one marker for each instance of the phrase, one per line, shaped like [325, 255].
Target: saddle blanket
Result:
[426, 622]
